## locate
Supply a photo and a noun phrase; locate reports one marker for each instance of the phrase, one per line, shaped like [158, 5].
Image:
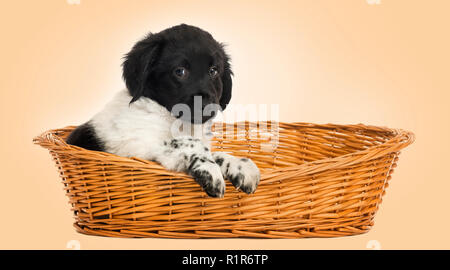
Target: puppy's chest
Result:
[143, 135]
[141, 128]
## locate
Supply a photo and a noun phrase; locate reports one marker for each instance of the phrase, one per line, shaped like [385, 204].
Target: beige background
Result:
[321, 61]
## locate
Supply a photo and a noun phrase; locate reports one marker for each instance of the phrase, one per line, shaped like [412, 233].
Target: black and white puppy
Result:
[163, 70]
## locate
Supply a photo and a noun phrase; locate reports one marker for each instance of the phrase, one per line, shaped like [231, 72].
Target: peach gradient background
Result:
[321, 61]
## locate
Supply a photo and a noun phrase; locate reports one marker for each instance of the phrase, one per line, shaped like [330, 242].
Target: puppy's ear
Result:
[227, 83]
[138, 64]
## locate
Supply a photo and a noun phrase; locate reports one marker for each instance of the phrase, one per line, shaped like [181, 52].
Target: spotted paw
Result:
[241, 172]
[210, 178]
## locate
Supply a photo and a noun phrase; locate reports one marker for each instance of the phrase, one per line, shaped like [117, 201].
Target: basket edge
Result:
[401, 139]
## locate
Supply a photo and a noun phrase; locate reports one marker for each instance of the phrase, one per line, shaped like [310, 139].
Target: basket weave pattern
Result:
[316, 181]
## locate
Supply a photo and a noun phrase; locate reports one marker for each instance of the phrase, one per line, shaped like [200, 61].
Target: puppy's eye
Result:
[213, 71]
[180, 72]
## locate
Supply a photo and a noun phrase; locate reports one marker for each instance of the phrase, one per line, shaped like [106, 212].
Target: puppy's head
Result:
[177, 66]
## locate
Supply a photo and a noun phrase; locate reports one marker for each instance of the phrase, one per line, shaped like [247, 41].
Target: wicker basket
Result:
[316, 181]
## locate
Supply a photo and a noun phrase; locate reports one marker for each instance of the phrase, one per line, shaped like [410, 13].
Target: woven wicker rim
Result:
[400, 139]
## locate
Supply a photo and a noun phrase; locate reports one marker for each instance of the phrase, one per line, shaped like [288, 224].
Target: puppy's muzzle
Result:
[203, 107]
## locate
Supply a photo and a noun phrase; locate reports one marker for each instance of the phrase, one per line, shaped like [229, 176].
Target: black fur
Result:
[204, 179]
[149, 70]
[219, 161]
[237, 180]
[84, 136]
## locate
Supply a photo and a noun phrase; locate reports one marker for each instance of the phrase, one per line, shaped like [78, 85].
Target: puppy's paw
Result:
[242, 172]
[210, 178]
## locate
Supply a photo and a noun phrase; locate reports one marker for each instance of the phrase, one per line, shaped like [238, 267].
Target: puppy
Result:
[167, 75]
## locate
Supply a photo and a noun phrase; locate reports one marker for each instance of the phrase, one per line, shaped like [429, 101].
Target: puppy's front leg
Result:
[190, 155]
[241, 172]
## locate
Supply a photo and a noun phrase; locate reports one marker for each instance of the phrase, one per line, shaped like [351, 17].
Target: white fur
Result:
[138, 129]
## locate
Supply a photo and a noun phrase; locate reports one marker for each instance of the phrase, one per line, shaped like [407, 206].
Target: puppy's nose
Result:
[206, 98]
